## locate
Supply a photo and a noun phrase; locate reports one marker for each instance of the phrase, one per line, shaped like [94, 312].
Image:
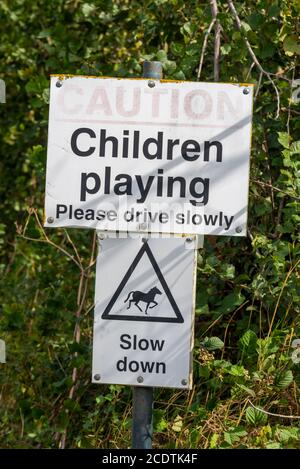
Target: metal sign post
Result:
[142, 407]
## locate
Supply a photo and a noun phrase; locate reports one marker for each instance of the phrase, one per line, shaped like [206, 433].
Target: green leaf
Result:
[88, 9]
[248, 340]
[161, 425]
[245, 26]
[44, 33]
[267, 50]
[225, 49]
[213, 343]
[273, 445]
[187, 29]
[295, 147]
[246, 389]
[161, 56]
[202, 310]
[236, 370]
[234, 436]
[284, 379]
[291, 45]
[255, 416]
[228, 271]
[213, 440]
[179, 75]
[285, 434]
[169, 66]
[177, 425]
[255, 20]
[231, 301]
[283, 139]
[37, 85]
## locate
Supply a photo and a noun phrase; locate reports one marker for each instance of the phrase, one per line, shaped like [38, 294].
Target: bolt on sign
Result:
[144, 310]
[148, 156]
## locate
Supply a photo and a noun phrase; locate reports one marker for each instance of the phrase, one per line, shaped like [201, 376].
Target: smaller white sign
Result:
[144, 312]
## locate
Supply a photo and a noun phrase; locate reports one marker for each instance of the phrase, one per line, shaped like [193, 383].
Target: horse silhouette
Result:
[148, 298]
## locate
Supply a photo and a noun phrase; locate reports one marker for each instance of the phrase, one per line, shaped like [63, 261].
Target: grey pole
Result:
[142, 418]
[143, 396]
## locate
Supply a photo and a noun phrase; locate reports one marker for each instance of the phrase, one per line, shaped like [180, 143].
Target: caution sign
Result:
[148, 156]
[152, 285]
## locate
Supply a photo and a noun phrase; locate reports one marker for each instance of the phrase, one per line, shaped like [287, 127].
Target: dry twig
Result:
[272, 413]
[252, 54]
[214, 12]
[207, 33]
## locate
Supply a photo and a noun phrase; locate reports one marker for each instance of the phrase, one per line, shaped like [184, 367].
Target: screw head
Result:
[97, 377]
[184, 382]
[239, 229]
[151, 83]
[58, 84]
[189, 240]
[50, 219]
[246, 91]
[140, 379]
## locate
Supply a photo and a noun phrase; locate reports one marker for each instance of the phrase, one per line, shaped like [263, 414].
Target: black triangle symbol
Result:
[178, 316]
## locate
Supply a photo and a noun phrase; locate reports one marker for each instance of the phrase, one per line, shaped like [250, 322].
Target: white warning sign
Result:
[172, 157]
[144, 312]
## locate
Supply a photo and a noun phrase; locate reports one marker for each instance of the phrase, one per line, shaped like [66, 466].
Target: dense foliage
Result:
[248, 296]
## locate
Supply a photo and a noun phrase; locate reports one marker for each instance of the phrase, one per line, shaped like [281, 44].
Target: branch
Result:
[22, 233]
[275, 189]
[258, 86]
[214, 13]
[292, 111]
[252, 54]
[274, 415]
[290, 101]
[204, 48]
